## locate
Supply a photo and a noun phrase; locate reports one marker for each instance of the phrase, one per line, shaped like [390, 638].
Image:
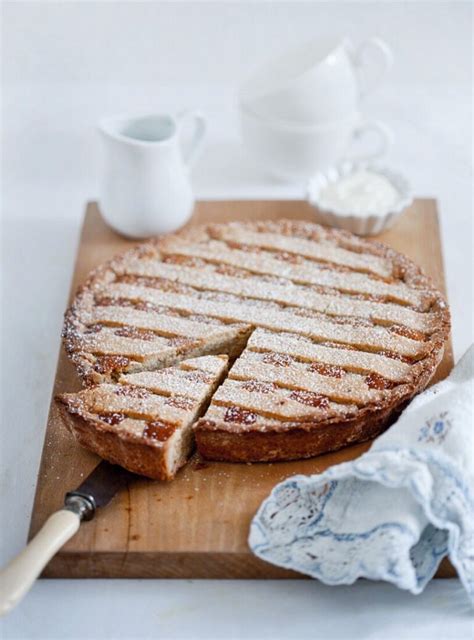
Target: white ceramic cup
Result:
[297, 152]
[318, 82]
[145, 187]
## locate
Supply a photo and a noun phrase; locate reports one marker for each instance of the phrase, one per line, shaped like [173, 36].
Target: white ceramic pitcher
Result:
[146, 188]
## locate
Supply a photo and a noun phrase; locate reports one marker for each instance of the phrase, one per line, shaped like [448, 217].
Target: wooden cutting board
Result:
[197, 525]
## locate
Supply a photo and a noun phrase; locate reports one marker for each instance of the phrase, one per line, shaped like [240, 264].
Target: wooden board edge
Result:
[34, 525]
[447, 362]
[183, 566]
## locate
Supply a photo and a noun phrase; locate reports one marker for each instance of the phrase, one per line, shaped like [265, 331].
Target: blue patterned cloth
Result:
[393, 513]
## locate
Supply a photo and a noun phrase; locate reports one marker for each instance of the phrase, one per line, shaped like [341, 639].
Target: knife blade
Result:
[96, 491]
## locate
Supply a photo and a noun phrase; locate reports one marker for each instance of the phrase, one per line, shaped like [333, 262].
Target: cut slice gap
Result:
[146, 432]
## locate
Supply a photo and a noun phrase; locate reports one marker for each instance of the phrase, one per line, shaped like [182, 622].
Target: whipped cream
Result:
[361, 193]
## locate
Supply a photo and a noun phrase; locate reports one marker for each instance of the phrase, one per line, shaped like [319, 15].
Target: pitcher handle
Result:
[373, 50]
[190, 153]
[385, 141]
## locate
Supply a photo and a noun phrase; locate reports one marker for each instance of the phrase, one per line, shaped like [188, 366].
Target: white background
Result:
[66, 64]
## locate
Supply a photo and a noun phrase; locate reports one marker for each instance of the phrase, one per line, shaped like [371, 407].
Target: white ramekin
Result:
[361, 225]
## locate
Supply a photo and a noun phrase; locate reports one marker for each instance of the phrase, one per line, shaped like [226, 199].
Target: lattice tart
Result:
[330, 335]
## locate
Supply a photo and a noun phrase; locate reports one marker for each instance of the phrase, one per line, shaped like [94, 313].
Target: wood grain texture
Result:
[197, 525]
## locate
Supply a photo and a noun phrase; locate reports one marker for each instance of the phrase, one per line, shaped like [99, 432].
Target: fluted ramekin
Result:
[363, 225]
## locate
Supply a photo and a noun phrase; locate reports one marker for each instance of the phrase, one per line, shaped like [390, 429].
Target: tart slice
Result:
[143, 421]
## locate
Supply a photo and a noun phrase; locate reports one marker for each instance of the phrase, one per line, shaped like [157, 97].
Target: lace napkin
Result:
[393, 513]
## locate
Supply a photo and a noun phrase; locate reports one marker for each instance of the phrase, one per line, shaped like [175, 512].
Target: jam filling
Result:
[111, 418]
[135, 333]
[240, 246]
[131, 391]
[258, 387]
[187, 261]
[108, 301]
[376, 381]
[180, 402]
[111, 364]
[408, 333]
[93, 328]
[396, 356]
[239, 415]
[309, 398]
[338, 345]
[278, 359]
[198, 376]
[158, 430]
[229, 270]
[327, 370]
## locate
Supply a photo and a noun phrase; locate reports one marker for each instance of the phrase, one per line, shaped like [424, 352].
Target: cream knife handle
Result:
[18, 576]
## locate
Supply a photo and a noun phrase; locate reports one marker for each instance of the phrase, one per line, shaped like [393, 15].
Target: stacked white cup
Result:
[300, 113]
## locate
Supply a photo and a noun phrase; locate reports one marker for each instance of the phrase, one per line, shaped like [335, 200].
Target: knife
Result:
[96, 491]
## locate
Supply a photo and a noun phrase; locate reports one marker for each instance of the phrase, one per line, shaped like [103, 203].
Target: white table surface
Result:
[51, 100]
